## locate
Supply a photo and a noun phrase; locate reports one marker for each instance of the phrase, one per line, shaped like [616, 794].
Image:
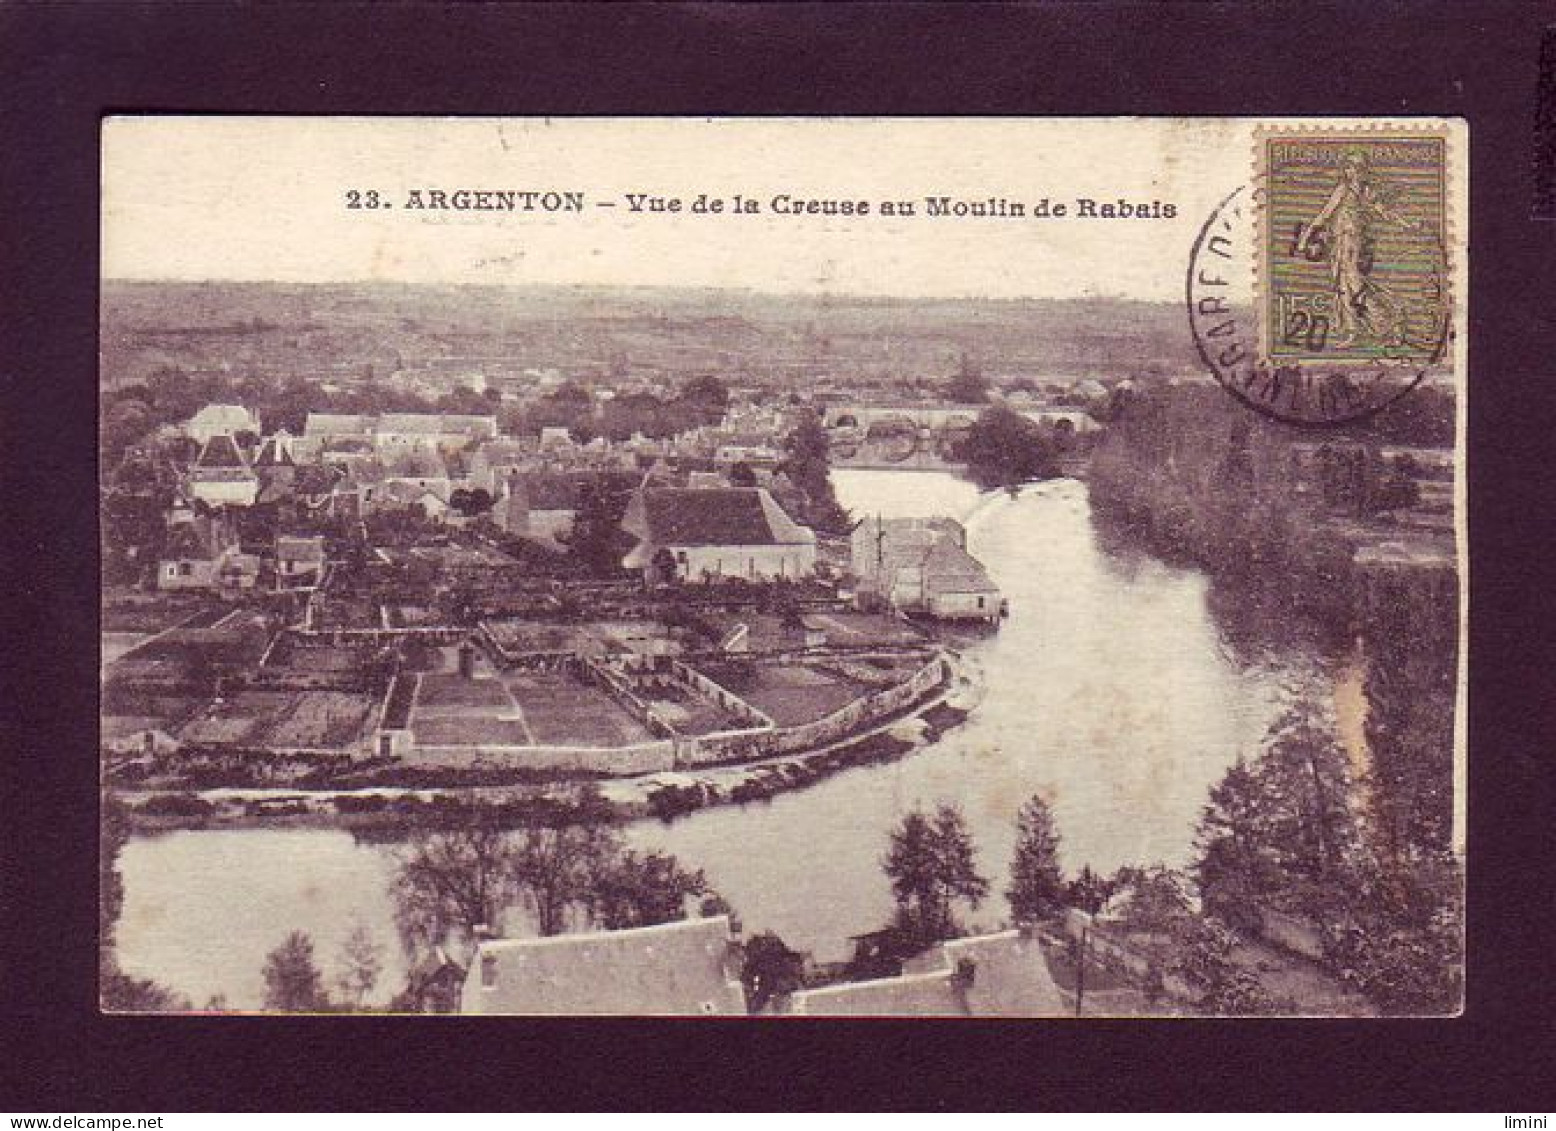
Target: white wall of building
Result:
[755, 563]
[226, 492]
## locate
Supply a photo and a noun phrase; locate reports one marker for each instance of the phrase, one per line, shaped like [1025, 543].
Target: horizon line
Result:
[865, 296]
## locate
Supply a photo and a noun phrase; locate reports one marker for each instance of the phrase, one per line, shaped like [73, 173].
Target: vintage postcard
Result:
[836, 567]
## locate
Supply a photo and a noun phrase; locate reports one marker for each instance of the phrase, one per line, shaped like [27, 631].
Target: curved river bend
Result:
[1109, 690]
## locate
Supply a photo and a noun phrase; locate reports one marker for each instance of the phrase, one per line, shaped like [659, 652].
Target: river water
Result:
[1109, 690]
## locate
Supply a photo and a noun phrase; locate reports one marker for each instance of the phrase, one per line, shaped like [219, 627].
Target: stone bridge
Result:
[921, 435]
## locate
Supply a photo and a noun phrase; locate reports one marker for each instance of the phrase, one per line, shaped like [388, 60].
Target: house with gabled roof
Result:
[397, 430]
[300, 561]
[921, 565]
[716, 533]
[203, 553]
[275, 469]
[275, 450]
[405, 494]
[221, 475]
[688, 968]
[545, 504]
[999, 975]
[956, 586]
[314, 489]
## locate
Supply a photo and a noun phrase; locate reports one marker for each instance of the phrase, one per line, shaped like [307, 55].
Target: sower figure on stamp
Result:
[1361, 302]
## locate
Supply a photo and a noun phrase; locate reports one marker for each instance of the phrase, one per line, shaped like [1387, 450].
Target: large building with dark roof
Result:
[716, 533]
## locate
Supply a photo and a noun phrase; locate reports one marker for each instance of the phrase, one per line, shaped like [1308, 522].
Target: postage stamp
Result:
[1352, 245]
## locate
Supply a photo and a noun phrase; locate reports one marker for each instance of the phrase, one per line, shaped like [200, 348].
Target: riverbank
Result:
[666, 795]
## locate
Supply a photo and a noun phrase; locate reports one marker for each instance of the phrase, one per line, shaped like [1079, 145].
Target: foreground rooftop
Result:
[688, 968]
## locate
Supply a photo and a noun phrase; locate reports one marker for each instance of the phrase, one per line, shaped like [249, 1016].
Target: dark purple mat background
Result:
[68, 64]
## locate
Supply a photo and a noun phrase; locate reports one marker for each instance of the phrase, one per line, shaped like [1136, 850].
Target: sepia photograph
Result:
[835, 567]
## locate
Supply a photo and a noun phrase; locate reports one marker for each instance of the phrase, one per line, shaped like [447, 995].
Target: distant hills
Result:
[744, 334]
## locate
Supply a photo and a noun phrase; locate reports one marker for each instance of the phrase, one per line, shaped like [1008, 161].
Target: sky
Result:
[264, 198]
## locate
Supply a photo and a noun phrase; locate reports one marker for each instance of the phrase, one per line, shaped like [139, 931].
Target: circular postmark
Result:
[1310, 381]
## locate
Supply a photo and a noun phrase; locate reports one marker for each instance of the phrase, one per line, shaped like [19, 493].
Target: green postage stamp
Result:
[1353, 245]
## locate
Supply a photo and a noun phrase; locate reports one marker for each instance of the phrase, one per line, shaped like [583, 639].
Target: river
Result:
[1109, 690]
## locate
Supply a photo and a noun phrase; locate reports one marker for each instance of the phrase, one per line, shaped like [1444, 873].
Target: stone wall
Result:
[643, 758]
[743, 745]
[749, 745]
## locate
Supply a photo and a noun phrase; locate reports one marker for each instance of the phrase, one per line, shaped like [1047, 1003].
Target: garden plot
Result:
[562, 711]
[322, 719]
[446, 694]
[789, 694]
[242, 720]
[288, 720]
[150, 615]
[451, 710]
[689, 712]
[867, 630]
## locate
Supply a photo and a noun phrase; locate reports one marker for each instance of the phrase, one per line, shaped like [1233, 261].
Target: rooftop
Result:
[1001, 975]
[223, 418]
[336, 424]
[712, 516]
[435, 423]
[221, 450]
[950, 569]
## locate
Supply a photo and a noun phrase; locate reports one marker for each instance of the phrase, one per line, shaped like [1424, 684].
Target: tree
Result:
[1399, 938]
[1036, 883]
[597, 540]
[560, 866]
[454, 880]
[968, 386]
[639, 891]
[120, 993]
[770, 970]
[707, 397]
[807, 450]
[1277, 831]
[126, 422]
[1004, 448]
[931, 865]
[292, 981]
[1088, 891]
[361, 961]
[1233, 870]
[1226, 989]
[470, 503]
[1155, 901]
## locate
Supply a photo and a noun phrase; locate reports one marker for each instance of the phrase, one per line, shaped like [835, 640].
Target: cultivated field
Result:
[561, 711]
[789, 694]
